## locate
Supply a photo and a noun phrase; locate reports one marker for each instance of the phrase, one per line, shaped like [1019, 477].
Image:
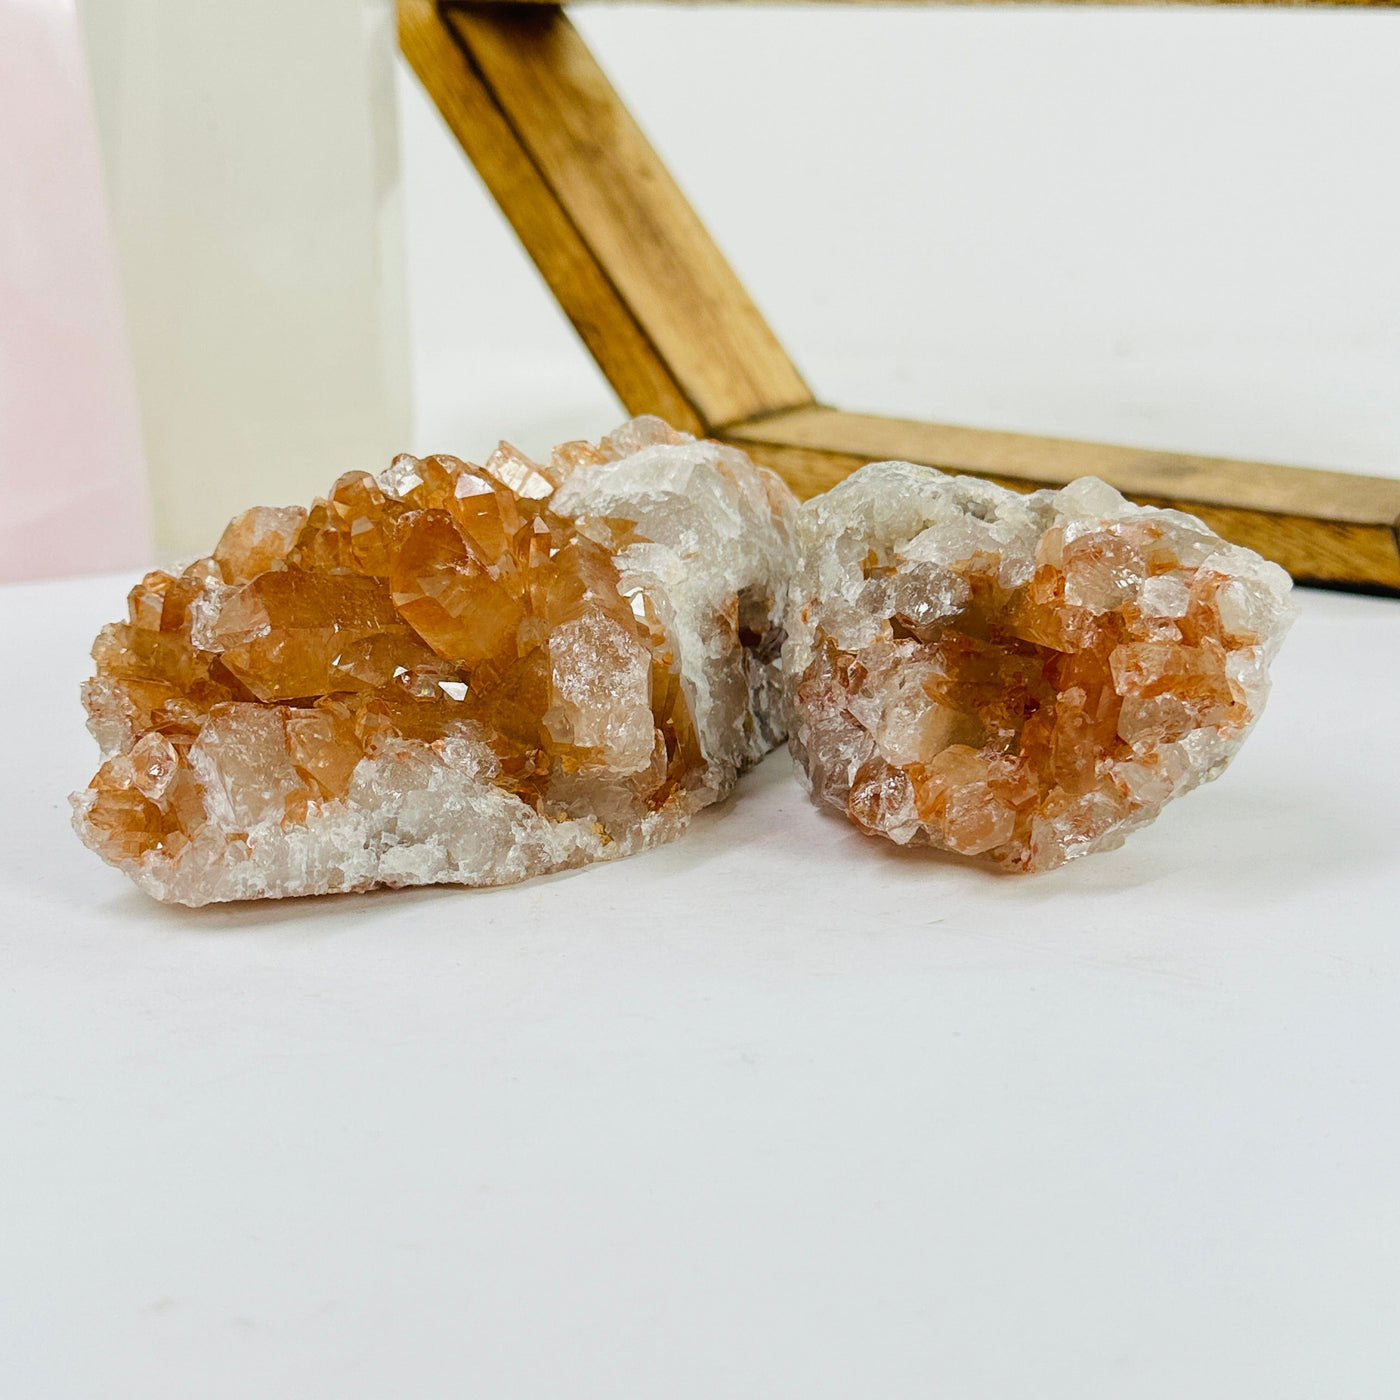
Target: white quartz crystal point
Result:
[714, 548]
[447, 674]
[1022, 678]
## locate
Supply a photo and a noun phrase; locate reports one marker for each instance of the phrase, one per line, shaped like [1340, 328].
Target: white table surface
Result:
[776, 1111]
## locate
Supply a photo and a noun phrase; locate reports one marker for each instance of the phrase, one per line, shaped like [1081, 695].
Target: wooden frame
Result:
[676, 334]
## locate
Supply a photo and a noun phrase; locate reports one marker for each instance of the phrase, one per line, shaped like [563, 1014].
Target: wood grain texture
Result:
[627, 213]
[1324, 526]
[613, 334]
[676, 334]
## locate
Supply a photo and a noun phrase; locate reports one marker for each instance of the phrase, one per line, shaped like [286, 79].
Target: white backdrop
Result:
[1173, 227]
[776, 1111]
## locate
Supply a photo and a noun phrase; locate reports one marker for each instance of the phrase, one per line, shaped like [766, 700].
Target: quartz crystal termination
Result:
[1021, 678]
[447, 673]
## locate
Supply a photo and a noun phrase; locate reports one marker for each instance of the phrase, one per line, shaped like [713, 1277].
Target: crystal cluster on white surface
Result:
[1021, 678]
[447, 673]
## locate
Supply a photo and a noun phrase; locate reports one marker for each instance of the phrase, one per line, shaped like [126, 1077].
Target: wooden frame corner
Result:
[676, 334]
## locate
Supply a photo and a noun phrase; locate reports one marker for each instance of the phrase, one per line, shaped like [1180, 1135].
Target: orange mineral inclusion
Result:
[436, 605]
[1023, 679]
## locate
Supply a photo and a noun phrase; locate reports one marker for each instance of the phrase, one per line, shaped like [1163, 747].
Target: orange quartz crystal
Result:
[1023, 679]
[442, 674]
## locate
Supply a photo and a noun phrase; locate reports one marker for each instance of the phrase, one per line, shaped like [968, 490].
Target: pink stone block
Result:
[73, 495]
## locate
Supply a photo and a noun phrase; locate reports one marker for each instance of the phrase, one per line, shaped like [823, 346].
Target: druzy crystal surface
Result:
[446, 673]
[1024, 679]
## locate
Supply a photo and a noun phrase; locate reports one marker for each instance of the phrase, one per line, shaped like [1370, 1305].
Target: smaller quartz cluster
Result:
[446, 673]
[1024, 679]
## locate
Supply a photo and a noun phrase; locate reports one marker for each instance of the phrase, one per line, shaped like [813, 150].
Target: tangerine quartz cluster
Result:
[1024, 679]
[447, 673]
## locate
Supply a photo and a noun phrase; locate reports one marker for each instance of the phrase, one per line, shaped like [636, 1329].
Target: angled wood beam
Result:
[676, 334]
[1327, 527]
[630, 262]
